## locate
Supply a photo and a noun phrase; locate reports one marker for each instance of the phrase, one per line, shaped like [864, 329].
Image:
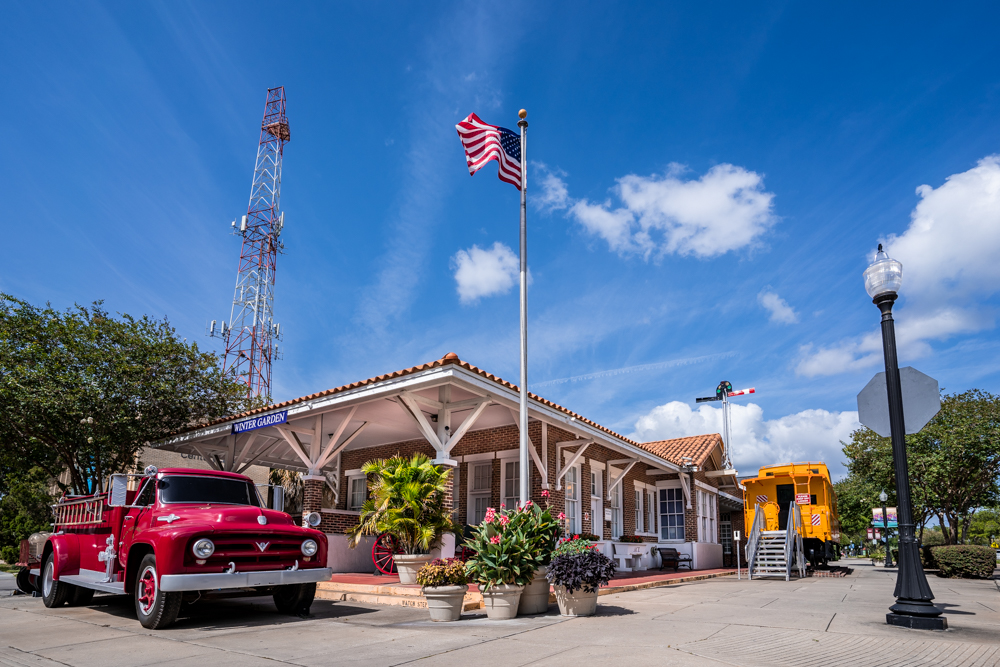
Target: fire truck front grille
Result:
[255, 552]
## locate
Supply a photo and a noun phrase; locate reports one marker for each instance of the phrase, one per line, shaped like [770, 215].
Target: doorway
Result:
[786, 496]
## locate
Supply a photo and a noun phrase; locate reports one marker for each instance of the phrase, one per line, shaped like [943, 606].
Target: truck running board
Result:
[94, 579]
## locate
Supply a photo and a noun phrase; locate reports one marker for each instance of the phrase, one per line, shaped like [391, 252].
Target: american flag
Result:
[484, 142]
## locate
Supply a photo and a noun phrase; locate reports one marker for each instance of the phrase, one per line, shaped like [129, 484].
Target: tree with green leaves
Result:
[407, 500]
[81, 391]
[954, 462]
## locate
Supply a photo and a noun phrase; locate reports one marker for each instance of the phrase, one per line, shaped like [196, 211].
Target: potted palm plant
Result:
[444, 584]
[407, 500]
[576, 572]
[503, 563]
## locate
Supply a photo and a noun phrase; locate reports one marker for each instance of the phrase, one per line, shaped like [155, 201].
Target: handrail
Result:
[793, 542]
[754, 538]
[799, 540]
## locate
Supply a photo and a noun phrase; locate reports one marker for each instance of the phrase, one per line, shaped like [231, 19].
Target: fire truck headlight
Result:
[203, 548]
[309, 547]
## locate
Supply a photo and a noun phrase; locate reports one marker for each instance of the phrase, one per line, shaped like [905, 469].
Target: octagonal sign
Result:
[921, 401]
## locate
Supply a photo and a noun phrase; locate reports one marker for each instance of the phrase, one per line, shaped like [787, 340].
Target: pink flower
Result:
[495, 539]
[561, 516]
[504, 520]
[527, 504]
[502, 506]
[545, 494]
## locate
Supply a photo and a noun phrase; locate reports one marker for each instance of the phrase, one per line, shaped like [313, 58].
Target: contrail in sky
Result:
[673, 363]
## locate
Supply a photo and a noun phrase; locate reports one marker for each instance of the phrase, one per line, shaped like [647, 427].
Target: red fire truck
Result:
[179, 534]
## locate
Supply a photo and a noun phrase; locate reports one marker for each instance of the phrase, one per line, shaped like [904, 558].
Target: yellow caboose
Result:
[808, 485]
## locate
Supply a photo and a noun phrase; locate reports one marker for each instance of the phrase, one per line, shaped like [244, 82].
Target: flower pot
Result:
[407, 566]
[577, 603]
[535, 598]
[501, 601]
[445, 602]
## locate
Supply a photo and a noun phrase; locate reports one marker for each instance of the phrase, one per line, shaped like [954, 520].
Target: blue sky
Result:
[706, 186]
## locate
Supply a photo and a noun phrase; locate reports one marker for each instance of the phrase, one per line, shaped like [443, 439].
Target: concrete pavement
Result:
[715, 622]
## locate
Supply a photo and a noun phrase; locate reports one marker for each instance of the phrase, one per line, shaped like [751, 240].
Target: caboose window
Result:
[671, 514]
[192, 489]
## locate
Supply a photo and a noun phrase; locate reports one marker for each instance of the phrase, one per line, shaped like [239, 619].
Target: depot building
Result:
[670, 493]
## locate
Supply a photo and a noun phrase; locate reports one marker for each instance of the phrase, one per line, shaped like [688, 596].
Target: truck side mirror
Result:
[118, 491]
[278, 498]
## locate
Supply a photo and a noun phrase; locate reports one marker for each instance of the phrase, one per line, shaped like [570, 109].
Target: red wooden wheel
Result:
[382, 551]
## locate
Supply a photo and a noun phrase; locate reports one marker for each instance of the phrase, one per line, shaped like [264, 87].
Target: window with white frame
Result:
[638, 510]
[511, 495]
[572, 481]
[672, 513]
[650, 511]
[357, 492]
[616, 506]
[707, 525]
[596, 500]
[480, 487]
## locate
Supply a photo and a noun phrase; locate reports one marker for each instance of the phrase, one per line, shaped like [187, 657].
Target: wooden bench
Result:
[670, 556]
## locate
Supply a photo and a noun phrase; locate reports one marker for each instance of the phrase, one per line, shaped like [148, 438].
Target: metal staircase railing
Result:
[793, 542]
[759, 524]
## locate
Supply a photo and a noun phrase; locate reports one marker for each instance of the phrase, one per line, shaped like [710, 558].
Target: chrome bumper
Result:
[211, 582]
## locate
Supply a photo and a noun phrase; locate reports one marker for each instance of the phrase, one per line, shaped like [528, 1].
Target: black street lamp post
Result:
[885, 529]
[913, 608]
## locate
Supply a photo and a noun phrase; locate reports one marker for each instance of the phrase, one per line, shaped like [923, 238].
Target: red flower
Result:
[561, 516]
[504, 520]
[495, 539]
[545, 494]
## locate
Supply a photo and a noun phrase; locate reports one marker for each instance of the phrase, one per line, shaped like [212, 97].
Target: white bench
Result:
[629, 555]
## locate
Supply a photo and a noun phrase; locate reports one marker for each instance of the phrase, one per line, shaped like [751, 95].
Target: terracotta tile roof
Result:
[449, 359]
[698, 448]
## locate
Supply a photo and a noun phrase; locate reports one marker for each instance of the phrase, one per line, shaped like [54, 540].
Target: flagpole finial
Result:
[523, 113]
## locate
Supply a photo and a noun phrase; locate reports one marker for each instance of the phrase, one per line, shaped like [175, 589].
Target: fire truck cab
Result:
[179, 533]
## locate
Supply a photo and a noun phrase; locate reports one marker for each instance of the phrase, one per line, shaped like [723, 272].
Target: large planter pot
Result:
[535, 598]
[445, 602]
[579, 603]
[501, 601]
[407, 566]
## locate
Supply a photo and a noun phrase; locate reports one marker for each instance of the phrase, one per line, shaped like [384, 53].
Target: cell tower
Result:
[723, 393]
[252, 333]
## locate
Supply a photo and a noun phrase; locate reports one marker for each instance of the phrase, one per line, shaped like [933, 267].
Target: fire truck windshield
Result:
[196, 489]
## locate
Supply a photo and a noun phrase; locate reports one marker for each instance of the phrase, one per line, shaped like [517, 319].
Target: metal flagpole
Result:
[525, 470]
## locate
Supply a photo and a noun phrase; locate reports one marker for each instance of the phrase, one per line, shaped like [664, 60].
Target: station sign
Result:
[263, 421]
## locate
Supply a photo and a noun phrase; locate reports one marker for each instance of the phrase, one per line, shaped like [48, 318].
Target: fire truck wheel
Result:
[81, 596]
[155, 608]
[54, 593]
[23, 581]
[294, 598]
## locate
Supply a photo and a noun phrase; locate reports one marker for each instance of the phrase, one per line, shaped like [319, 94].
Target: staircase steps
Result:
[770, 560]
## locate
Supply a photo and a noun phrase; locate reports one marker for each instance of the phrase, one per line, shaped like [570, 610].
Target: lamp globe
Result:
[884, 275]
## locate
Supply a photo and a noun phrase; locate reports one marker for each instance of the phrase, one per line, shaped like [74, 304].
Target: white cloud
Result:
[778, 307]
[810, 435]
[949, 259]
[725, 209]
[480, 273]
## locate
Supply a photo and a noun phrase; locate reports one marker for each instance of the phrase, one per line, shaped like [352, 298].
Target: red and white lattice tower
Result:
[252, 333]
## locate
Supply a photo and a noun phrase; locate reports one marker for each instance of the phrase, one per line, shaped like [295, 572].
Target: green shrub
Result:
[9, 555]
[965, 560]
[443, 572]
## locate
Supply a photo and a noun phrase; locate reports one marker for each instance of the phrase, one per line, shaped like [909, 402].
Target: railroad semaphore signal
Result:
[723, 393]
